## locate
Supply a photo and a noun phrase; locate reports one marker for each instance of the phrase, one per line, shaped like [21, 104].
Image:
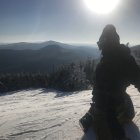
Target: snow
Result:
[50, 115]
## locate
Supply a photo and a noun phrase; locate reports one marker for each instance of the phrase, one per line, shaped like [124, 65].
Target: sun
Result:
[102, 6]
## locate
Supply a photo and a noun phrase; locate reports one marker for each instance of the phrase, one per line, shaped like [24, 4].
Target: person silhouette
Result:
[111, 106]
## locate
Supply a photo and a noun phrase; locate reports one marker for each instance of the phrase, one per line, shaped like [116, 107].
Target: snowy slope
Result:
[50, 115]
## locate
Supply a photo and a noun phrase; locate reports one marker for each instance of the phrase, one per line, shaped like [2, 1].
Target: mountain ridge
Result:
[33, 46]
[43, 59]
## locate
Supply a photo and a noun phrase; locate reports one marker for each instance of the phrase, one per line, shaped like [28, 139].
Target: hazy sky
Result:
[66, 21]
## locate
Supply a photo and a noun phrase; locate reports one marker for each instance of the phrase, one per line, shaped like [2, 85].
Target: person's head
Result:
[109, 38]
[109, 29]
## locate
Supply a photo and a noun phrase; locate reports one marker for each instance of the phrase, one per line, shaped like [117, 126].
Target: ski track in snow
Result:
[48, 115]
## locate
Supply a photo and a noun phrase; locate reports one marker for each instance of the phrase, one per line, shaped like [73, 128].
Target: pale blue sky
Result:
[68, 21]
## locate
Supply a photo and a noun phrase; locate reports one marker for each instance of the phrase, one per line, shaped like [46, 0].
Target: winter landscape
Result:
[49, 51]
[29, 112]
[51, 115]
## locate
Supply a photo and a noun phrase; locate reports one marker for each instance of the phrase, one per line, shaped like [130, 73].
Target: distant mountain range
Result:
[136, 53]
[33, 46]
[43, 57]
[136, 48]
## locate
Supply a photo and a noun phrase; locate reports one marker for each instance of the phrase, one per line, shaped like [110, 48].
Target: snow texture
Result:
[52, 115]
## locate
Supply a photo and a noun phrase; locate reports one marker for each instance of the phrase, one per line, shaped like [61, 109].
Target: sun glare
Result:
[102, 6]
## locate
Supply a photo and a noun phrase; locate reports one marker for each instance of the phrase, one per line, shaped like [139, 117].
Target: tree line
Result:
[71, 77]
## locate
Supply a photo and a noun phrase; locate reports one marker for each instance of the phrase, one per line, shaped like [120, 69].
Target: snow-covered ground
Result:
[48, 115]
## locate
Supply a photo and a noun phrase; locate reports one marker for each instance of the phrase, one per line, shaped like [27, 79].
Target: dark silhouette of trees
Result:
[71, 77]
[89, 70]
[22, 80]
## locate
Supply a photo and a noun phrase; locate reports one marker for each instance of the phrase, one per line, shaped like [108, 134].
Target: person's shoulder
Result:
[125, 49]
